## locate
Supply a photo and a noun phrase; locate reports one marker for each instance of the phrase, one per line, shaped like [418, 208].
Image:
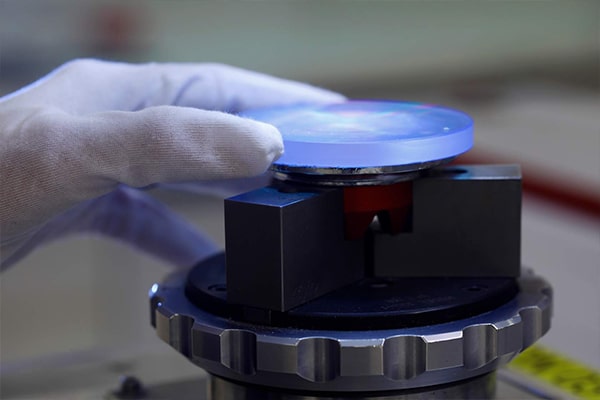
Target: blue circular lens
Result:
[365, 134]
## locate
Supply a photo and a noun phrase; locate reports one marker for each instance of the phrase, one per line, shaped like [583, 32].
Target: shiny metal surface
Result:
[352, 360]
[481, 387]
[367, 176]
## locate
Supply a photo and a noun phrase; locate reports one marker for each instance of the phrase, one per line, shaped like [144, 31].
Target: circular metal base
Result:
[327, 360]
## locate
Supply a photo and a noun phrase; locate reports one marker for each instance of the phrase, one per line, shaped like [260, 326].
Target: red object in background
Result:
[115, 29]
[391, 203]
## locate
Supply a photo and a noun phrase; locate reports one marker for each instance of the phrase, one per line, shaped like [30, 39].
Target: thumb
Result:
[127, 215]
[74, 158]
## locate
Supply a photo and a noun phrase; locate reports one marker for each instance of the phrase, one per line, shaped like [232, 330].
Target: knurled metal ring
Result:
[338, 361]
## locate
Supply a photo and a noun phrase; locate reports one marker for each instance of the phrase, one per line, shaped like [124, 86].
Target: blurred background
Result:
[527, 72]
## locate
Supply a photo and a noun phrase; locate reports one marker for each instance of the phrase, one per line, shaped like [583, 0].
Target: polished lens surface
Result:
[361, 134]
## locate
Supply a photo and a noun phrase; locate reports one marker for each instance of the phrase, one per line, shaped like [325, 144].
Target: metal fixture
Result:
[397, 280]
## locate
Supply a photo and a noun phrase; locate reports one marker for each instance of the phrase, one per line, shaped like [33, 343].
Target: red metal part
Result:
[391, 203]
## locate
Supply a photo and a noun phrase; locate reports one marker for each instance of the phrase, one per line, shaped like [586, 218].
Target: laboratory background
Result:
[74, 314]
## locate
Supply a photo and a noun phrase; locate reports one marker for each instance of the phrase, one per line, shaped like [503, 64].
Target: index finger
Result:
[88, 86]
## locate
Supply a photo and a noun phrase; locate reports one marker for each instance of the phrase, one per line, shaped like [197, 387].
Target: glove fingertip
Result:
[273, 140]
[258, 145]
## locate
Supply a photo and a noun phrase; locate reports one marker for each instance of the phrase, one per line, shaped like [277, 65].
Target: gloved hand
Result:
[73, 144]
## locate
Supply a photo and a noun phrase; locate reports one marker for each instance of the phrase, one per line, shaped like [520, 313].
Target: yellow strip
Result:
[559, 371]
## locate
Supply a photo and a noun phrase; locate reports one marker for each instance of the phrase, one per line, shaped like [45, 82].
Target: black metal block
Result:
[466, 222]
[284, 249]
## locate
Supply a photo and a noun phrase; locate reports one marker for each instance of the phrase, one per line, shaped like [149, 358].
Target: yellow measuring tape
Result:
[559, 371]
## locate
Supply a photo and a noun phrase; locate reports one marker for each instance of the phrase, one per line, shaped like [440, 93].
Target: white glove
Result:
[72, 141]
